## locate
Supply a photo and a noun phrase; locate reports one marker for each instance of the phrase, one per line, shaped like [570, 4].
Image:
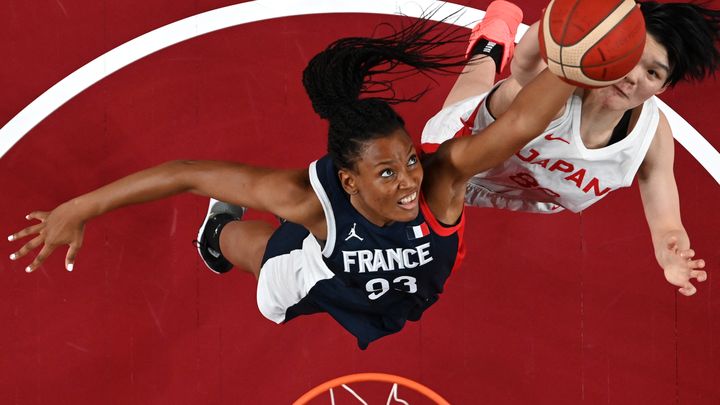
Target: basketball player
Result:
[600, 138]
[369, 237]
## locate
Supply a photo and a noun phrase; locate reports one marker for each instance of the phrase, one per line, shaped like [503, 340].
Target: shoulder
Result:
[663, 132]
[661, 150]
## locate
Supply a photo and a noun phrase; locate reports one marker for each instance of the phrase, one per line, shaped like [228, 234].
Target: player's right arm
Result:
[661, 203]
[458, 159]
[286, 193]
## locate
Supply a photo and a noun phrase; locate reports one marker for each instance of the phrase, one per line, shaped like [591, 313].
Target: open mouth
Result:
[409, 201]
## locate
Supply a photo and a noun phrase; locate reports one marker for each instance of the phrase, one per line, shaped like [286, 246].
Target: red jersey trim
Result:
[461, 246]
[436, 226]
[443, 230]
[430, 147]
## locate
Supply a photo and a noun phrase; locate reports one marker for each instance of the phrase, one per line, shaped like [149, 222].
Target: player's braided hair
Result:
[690, 33]
[336, 78]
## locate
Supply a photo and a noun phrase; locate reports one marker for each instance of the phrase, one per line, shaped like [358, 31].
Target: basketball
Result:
[592, 43]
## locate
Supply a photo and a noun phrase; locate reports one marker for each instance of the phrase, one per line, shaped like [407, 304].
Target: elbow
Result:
[182, 174]
[182, 163]
[525, 65]
[183, 167]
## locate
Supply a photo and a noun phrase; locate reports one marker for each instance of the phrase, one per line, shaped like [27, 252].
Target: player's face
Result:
[384, 186]
[644, 81]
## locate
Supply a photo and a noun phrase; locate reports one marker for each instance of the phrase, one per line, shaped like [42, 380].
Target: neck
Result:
[366, 212]
[597, 121]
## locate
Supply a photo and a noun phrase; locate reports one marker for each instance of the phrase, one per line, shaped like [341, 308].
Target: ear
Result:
[348, 180]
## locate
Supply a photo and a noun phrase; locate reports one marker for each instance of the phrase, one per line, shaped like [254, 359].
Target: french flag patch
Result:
[418, 231]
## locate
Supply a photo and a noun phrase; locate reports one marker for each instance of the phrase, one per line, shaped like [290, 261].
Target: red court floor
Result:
[560, 309]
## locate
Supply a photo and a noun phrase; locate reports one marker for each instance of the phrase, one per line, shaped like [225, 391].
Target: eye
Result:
[658, 75]
[387, 173]
[413, 160]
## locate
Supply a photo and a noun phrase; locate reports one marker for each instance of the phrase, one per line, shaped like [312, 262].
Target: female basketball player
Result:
[600, 138]
[370, 236]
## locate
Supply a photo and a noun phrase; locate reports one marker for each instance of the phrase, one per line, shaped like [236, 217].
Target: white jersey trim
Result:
[327, 208]
[650, 107]
[491, 188]
[646, 127]
[286, 279]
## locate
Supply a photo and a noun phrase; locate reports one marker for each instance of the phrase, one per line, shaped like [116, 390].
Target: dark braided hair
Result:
[690, 33]
[336, 78]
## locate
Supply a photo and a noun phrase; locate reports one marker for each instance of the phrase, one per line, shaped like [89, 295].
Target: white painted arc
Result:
[692, 141]
[201, 24]
[260, 10]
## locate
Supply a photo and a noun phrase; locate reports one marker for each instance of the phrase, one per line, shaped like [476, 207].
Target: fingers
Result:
[39, 215]
[28, 247]
[44, 253]
[687, 290]
[40, 258]
[30, 230]
[70, 257]
[696, 264]
[687, 254]
[699, 275]
[47, 244]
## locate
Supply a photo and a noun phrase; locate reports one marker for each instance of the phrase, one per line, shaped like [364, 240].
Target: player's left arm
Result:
[662, 211]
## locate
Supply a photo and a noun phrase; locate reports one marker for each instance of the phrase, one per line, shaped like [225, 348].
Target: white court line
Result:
[259, 10]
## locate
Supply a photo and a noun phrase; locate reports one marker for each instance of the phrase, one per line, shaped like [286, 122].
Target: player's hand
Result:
[680, 267]
[61, 226]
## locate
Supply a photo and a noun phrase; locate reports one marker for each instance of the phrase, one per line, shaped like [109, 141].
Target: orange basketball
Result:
[592, 43]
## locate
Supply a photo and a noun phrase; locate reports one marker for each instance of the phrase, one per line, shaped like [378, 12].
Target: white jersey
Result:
[554, 170]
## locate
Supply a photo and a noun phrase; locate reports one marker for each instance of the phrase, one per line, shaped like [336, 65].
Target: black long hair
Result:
[690, 33]
[336, 78]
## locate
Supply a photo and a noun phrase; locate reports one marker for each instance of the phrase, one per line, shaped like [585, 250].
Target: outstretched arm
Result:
[528, 116]
[286, 193]
[460, 158]
[662, 211]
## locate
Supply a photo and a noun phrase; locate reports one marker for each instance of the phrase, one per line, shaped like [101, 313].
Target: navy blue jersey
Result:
[381, 276]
